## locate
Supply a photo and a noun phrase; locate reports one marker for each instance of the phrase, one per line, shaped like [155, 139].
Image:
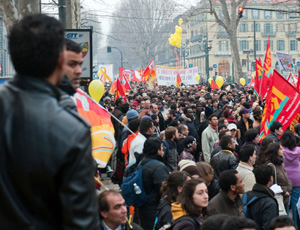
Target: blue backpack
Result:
[127, 187]
[247, 203]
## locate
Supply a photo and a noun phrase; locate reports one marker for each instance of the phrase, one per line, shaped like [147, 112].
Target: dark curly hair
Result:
[288, 140]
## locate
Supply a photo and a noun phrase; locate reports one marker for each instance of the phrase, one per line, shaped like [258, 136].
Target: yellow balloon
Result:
[209, 80]
[242, 81]
[197, 77]
[180, 21]
[219, 81]
[96, 89]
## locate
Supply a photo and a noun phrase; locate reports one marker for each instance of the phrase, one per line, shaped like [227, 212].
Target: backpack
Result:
[127, 187]
[246, 204]
[171, 225]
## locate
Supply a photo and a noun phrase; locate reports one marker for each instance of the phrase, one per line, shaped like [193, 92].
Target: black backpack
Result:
[171, 225]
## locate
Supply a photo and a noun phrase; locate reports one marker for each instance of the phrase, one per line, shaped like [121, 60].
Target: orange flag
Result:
[178, 80]
[149, 69]
[120, 90]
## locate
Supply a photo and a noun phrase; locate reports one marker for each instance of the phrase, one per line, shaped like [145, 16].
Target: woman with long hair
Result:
[275, 153]
[261, 156]
[170, 190]
[207, 174]
[292, 166]
[189, 213]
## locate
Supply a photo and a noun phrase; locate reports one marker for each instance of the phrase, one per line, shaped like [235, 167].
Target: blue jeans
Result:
[294, 199]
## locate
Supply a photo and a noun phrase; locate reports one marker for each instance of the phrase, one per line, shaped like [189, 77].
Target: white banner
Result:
[285, 62]
[168, 76]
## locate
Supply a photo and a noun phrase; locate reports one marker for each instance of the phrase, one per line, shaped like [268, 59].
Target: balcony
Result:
[222, 34]
[291, 33]
[269, 33]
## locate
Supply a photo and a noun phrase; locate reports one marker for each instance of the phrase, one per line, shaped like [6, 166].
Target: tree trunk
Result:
[235, 57]
[73, 20]
[12, 10]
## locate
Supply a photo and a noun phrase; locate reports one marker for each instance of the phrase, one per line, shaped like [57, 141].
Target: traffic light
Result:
[216, 72]
[108, 49]
[241, 9]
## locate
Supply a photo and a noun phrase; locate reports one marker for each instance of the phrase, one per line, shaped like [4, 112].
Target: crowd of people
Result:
[204, 165]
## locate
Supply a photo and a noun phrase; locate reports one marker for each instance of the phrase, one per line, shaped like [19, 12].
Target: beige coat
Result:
[245, 171]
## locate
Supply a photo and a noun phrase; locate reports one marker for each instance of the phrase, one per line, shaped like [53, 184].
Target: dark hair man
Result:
[263, 208]
[45, 180]
[224, 159]
[245, 168]
[170, 148]
[245, 123]
[276, 131]
[113, 211]
[228, 200]
[282, 223]
[73, 73]
[238, 223]
[183, 132]
[209, 137]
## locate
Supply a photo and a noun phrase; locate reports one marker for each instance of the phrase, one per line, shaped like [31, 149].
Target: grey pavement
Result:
[107, 183]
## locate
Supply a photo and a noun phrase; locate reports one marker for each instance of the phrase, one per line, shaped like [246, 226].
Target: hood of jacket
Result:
[177, 211]
[291, 155]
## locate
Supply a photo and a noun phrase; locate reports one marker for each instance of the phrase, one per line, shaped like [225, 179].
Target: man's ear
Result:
[104, 214]
[232, 187]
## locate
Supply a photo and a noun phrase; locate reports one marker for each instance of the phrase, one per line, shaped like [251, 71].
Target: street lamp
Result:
[205, 46]
[109, 51]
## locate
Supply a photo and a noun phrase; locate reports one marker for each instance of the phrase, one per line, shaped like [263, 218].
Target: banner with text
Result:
[168, 76]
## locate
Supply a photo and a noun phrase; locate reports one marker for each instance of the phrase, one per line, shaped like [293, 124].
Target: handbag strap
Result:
[272, 165]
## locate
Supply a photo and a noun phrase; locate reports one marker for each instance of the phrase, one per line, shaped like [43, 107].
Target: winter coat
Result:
[292, 164]
[222, 204]
[164, 214]
[246, 172]
[171, 155]
[67, 90]
[282, 180]
[242, 127]
[192, 128]
[184, 224]
[264, 208]
[154, 174]
[46, 164]
[213, 189]
[123, 227]
[222, 161]
[209, 138]
[273, 136]
[180, 145]
[187, 154]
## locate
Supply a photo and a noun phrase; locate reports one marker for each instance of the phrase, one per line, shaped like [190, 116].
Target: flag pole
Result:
[108, 112]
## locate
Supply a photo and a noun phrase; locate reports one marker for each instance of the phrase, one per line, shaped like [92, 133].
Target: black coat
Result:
[154, 174]
[164, 214]
[264, 208]
[46, 164]
[242, 127]
[123, 227]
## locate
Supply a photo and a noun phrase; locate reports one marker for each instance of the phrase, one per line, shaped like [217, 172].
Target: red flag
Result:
[259, 73]
[213, 85]
[282, 104]
[126, 84]
[298, 82]
[149, 69]
[178, 80]
[267, 75]
[252, 82]
[120, 91]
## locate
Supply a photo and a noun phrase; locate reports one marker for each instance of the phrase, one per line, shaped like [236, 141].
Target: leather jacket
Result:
[223, 160]
[46, 166]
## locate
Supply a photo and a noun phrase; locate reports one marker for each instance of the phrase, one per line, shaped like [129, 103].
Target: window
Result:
[280, 45]
[244, 45]
[243, 27]
[223, 45]
[258, 45]
[268, 28]
[293, 45]
[292, 27]
[266, 43]
[280, 27]
[257, 27]
[293, 15]
[268, 14]
[192, 33]
[255, 14]
[279, 15]
[244, 62]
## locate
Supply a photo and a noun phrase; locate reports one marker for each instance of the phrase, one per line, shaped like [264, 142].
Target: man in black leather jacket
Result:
[46, 168]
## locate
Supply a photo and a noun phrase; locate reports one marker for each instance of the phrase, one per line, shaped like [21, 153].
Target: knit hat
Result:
[106, 98]
[189, 141]
[243, 111]
[189, 167]
[132, 114]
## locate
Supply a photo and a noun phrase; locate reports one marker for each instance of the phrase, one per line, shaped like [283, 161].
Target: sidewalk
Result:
[107, 182]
